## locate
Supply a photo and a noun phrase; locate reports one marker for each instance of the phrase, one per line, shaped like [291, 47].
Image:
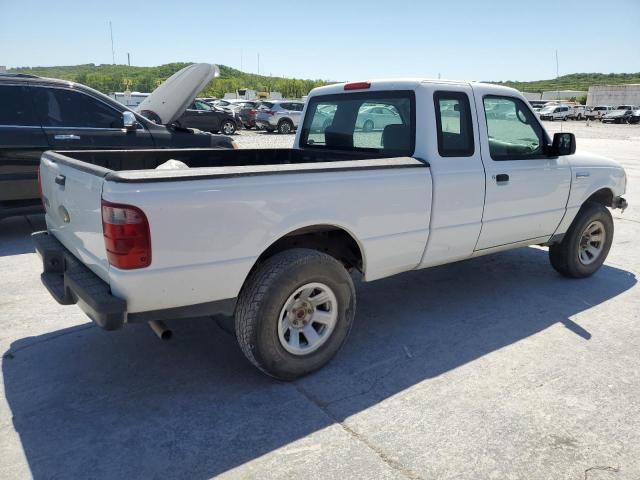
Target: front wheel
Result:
[228, 127]
[295, 312]
[368, 126]
[586, 244]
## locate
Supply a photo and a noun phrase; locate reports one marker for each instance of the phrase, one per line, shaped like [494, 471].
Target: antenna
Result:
[113, 52]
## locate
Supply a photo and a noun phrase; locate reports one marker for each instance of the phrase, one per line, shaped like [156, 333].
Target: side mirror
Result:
[563, 144]
[129, 121]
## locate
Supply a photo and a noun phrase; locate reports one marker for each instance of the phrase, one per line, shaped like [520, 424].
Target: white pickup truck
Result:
[271, 236]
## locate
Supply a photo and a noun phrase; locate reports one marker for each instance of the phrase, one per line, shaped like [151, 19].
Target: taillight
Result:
[270, 112]
[126, 236]
[357, 85]
[44, 204]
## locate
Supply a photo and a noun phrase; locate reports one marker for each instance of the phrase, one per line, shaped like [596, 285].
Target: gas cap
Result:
[66, 218]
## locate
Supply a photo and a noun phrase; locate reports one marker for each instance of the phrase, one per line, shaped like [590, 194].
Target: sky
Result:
[333, 39]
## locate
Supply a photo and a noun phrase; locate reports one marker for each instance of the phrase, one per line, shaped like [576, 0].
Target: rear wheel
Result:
[295, 312]
[285, 126]
[586, 244]
[368, 126]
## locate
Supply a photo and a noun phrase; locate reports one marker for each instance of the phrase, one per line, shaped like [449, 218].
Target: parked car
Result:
[38, 114]
[635, 117]
[281, 115]
[596, 113]
[555, 112]
[627, 107]
[271, 236]
[204, 117]
[577, 112]
[618, 116]
[247, 113]
[377, 117]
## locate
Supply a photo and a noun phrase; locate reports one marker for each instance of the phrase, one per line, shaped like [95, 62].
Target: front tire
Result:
[295, 312]
[228, 127]
[586, 244]
[368, 126]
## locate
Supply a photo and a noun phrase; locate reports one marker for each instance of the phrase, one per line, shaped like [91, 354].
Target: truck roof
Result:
[407, 84]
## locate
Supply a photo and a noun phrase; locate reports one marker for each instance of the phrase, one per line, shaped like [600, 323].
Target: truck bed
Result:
[130, 160]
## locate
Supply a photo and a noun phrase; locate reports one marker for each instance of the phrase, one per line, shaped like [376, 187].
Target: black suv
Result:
[38, 114]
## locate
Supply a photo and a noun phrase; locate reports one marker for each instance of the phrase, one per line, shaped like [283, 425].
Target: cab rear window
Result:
[378, 122]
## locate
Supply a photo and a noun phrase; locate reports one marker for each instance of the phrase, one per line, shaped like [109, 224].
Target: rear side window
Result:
[380, 122]
[16, 107]
[454, 124]
[66, 108]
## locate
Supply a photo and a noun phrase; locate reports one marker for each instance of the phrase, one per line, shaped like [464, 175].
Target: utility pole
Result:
[128, 59]
[113, 52]
[241, 60]
[258, 63]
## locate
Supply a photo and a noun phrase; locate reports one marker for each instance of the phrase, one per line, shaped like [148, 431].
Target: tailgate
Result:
[72, 192]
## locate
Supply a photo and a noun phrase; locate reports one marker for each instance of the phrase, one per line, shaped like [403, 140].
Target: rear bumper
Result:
[70, 282]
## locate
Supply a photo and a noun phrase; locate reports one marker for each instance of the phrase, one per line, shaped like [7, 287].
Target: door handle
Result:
[67, 137]
[502, 178]
[61, 180]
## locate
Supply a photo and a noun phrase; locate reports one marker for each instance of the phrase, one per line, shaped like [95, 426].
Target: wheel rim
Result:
[308, 318]
[368, 126]
[592, 242]
[227, 128]
[285, 128]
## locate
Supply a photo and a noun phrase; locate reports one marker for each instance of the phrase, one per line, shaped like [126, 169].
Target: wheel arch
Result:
[603, 196]
[333, 240]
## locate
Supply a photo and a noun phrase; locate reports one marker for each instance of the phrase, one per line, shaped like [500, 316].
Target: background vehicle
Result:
[38, 114]
[596, 113]
[618, 116]
[204, 117]
[555, 112]
[271, 235]
[281, 115]
[577, 112]
[376, 117]
[627, 107]
[635, 117]
[247, 113]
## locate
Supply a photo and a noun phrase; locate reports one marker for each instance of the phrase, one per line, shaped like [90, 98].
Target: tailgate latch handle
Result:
[61, 180]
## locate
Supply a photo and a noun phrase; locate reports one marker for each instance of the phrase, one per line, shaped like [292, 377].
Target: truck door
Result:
[452, 148]
[22, 141]
[526, 191]
[74, 120]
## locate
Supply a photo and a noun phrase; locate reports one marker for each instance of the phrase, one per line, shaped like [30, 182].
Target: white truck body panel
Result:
[239, 218]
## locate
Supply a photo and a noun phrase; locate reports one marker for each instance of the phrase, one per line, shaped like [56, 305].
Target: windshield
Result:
[381, 122]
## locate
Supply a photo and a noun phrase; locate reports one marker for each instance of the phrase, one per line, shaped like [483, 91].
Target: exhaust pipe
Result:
[160, 329]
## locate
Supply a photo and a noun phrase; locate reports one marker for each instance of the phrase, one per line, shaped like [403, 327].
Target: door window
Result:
[514, 132]
[16, 107]
[454, 124]
[66, 108]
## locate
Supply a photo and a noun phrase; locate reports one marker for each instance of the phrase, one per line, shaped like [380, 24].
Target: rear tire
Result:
[285, 126]
[368, 126]
[586, 244]
[277, 306]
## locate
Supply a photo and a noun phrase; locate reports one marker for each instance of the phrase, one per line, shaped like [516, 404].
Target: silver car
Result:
[377, 117]
[281, 115]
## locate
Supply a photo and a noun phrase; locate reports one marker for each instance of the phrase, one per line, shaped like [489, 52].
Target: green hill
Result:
[114, 78]
[574, 81]
[110, 78]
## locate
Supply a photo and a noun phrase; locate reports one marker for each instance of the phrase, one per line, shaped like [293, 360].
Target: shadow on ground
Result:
[89, 403]
[15, 231]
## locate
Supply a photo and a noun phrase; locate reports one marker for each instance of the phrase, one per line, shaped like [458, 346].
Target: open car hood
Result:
[169, 101]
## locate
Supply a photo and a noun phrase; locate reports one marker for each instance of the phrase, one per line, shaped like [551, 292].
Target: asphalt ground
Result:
[493, 368]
